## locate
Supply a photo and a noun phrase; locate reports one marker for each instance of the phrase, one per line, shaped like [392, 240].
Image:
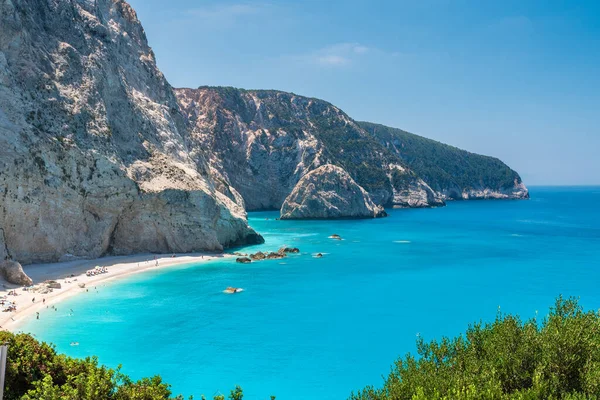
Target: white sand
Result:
[118, 267]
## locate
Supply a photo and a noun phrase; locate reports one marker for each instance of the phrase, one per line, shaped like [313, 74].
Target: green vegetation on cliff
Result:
[557, 358]
[442, 166]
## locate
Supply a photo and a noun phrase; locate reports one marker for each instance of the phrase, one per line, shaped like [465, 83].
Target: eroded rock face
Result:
[264, 141]
[93, 146]
[410, 191]
[329, 193]
[518, 191]
[13, 273]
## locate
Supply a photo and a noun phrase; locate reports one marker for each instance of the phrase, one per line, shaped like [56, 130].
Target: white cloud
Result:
[337, 55]
[332, 59]
[358, 49]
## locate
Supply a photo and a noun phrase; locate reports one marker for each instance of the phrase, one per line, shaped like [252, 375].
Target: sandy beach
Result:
[73, 273]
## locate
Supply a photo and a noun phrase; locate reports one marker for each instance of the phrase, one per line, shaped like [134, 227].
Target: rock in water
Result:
[275, 256]
[258, 256]
[293, 250]
[329, 193]
[13, 272]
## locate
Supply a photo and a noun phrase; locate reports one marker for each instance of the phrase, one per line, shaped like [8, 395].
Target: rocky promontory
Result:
[329, 192]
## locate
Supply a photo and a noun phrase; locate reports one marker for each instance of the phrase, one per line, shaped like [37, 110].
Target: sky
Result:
[515, 79]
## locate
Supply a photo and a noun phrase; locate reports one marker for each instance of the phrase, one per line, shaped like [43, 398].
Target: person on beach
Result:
[37, 315]
[43, 301]
[33, 300]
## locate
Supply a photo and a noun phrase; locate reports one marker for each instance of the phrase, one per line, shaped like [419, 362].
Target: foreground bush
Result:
[34, 371]
[558, 358]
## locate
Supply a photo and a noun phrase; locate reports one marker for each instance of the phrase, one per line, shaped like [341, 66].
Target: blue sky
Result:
[519, 80]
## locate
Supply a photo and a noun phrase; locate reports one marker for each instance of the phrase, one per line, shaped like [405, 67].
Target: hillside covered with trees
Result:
[445, 168]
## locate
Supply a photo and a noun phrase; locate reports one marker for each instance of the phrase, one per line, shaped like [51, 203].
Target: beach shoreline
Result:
[73, 273]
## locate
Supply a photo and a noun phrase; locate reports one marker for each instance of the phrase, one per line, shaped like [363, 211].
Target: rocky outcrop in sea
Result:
[329, 192]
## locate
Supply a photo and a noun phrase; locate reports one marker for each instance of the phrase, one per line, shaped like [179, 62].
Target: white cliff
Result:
[94, 151]
[264, 141]
[329, 192]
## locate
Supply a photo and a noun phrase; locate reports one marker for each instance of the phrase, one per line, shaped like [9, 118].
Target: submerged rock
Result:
[13, 273]
[243, 260]
[329, 192]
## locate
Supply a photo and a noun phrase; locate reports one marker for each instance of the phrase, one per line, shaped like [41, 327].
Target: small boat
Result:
[74, 343]
[232, 290]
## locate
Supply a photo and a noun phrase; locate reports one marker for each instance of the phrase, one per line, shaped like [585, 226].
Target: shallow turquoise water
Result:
[308, 328]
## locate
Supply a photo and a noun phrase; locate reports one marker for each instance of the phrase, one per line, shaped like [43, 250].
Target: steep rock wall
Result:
[90, 130]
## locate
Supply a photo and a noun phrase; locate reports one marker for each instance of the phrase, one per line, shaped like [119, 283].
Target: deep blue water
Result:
[308, 328]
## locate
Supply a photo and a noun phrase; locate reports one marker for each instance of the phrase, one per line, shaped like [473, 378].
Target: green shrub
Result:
[558, 358]
[36, 372]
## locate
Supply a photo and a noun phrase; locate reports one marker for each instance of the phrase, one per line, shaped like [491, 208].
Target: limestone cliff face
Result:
[265, 141]
[517, 190]
[329, 192]
[410, 191]
[95, 155]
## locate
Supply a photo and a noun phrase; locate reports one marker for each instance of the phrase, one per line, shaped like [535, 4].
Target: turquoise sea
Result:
[308, 328]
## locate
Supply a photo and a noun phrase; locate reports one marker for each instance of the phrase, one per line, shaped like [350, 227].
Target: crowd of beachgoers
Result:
[57, 281]
[97, 271]
[8, 305]
[44, 288]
